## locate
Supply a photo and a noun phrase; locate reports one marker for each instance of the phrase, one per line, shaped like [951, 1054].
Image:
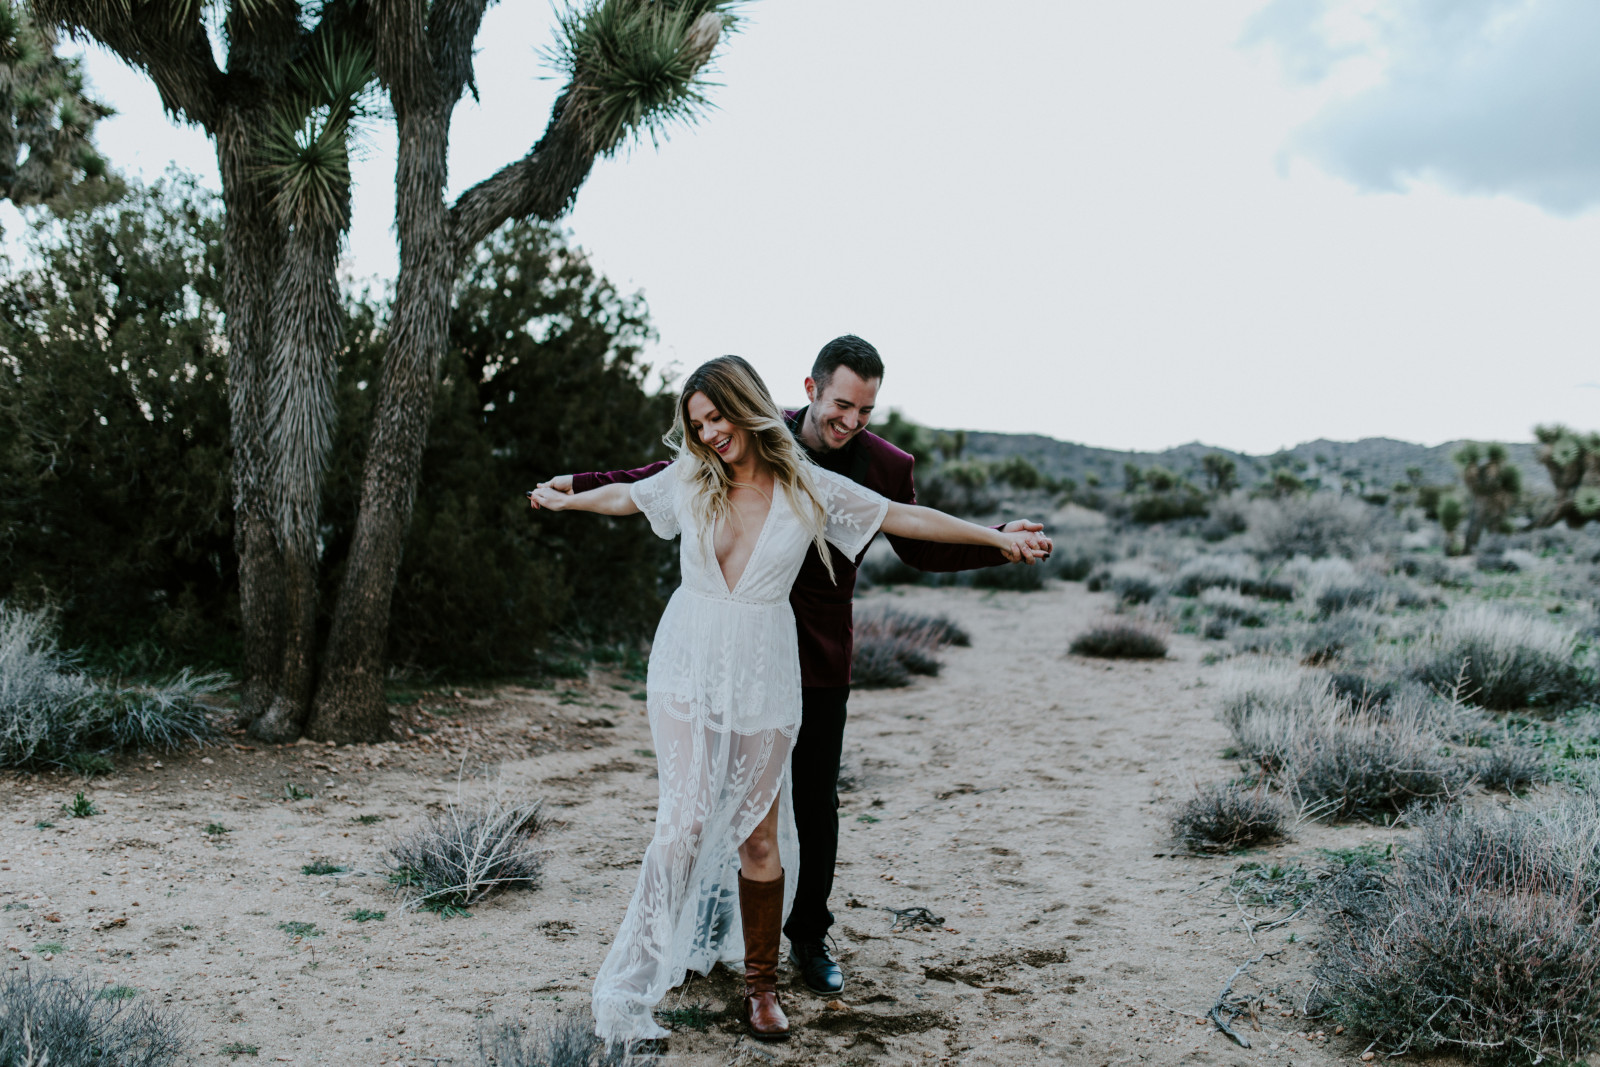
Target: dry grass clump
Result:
[1223, 818]
[1131, 581]
[1233, 606]
[52, 713]
[1214, 572]
[568, 1042]
[1511, 768]
[1480, 941]
[1120, 639]
[457, 858]
[1504, 659]
[1364, 765]
[1336, 757]
[68, 1022]
[891, 645]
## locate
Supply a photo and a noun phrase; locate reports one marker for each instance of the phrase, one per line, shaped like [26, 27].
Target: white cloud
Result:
[1498, 97]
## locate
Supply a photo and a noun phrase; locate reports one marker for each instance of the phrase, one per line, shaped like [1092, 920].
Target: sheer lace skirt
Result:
[716, 785]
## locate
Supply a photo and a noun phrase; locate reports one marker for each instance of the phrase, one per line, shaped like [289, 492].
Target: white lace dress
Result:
[724, 704]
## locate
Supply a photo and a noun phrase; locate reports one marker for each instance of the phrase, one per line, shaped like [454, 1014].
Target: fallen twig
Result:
[1222, 1006]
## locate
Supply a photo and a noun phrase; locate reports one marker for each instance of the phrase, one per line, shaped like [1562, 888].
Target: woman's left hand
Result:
[548, 498]
[1025, 547]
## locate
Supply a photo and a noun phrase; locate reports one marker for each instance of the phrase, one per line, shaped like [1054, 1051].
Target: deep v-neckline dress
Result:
[723, 695]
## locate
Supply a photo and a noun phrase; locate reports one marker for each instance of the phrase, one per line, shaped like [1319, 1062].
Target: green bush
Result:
[115, 499]
[115, 505]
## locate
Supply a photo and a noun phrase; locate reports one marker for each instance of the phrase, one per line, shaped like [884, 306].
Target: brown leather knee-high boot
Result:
[761, 908]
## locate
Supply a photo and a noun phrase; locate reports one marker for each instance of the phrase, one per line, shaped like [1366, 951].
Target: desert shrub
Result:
[1316, 526]
[66, 1022]
[44, 704]
[1328, 640]
[936, 631]
[891, 645]
[1184, 502]
[1133, 583]
[1371, 766]
[457, 858]
[1480, 941]
[1338, 758]
[1229, 515]
[1015, 577]
[1017, 472]
[1072, 566]
[50, 712]
[1268, 588]
[1216, 628]
[1213, 572]
[1227, 604]
[1266, 708]
[567, 1042]
[1504, 659]
[1510, 768]
[1363, 691]
[1120, 639]
[1223, 818]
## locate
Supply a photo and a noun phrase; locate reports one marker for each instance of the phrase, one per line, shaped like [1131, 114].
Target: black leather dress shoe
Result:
[817, 969]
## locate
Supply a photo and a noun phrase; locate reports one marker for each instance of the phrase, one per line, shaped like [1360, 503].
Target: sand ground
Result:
[1021, 797]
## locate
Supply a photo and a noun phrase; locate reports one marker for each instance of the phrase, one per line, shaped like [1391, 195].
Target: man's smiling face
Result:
[840, 409]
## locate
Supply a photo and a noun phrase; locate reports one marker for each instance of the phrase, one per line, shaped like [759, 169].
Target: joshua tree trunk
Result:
[426, 71]
[349, 705]
[251, 252]
[302, 370]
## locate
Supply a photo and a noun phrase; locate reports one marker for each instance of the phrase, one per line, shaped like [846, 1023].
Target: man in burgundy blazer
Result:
[843, 390]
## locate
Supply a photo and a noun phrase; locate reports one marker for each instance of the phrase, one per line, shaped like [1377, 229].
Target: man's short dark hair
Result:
[847, 351]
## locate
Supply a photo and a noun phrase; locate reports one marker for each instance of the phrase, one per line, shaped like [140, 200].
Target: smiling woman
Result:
[723, 688]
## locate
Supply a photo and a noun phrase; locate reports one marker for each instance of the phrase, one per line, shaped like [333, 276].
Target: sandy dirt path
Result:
[1021, 797]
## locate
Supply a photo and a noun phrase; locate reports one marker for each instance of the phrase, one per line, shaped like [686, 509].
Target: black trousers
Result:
[815, 777]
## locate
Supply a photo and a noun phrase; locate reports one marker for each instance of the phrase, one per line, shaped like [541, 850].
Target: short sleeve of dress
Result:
[657, 497]
[854, 512]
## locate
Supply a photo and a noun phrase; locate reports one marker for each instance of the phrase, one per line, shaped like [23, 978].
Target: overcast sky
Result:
[1131, 224]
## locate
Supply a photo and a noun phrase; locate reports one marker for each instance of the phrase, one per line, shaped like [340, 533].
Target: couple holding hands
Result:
[749, 671]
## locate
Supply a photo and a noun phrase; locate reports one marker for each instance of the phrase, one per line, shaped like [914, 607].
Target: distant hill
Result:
[1374, 463]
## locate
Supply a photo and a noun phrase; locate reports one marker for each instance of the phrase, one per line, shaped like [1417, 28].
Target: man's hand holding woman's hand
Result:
[1031, 545]
[546, 497]
[552, 494]
[1025, 546]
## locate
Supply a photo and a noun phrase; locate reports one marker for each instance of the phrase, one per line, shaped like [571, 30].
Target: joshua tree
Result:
[1572, 460]
[1493, 483]
[1451, 512]
[298, 75]
[1221, 472]
[44, 112]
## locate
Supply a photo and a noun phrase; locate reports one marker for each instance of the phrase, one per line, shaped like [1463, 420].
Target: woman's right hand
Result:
[545, 497]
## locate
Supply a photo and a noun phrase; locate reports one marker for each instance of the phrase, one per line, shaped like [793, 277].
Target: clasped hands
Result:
[1028, 543]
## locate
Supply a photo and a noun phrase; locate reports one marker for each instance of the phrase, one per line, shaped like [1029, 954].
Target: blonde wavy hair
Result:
[740, 396]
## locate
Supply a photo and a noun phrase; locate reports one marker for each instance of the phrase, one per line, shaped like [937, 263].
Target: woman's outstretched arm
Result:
[926, 524]
[615, 499]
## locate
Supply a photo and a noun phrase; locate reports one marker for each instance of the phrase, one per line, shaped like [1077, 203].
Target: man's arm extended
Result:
[932, 557]
[582, 483]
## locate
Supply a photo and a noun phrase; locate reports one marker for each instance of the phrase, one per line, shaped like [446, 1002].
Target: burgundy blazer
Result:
[822, 607]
